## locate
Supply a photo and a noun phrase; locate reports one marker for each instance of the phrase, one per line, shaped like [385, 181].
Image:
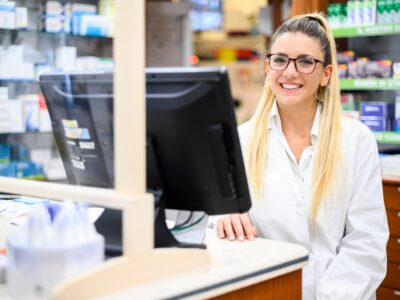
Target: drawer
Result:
[393, 249]
[394, 222]
[383, 293]
[392, 279]
[392, 196]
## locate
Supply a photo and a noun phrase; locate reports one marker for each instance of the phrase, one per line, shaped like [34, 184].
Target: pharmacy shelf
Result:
[370, 84]
[17, 80]
[387, 137]
[372, 30]
[55, 35]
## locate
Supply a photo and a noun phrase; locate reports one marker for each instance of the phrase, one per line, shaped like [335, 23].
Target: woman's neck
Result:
[297, 121]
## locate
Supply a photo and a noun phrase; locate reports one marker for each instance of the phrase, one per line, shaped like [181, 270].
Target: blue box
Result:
[397, 125]
[8, 169]
[377, 109]
[375, 123]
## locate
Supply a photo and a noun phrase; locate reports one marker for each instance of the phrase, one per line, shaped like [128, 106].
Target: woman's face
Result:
[291, 87]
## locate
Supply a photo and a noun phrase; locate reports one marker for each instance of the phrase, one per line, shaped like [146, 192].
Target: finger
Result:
[249, 229]
[220, 229]
[237, 226]
[228, 228]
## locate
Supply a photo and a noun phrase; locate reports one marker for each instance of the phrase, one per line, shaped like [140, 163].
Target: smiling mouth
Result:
[290, 86]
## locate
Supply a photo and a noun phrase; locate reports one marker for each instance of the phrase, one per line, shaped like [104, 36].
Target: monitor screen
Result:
[193, 151]
[207, 15]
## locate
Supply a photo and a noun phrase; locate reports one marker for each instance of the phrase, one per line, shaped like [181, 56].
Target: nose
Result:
[291, 68]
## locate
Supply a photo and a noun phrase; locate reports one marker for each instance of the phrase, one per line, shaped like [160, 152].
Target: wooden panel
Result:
[392, 278]
[394, 222]
[392, 196]
[387, 294]
[393, 249]
[287, 286]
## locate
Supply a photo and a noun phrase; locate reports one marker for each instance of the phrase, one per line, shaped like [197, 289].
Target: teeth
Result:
[290, 86]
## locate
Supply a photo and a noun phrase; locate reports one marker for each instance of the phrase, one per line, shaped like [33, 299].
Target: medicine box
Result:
[375, 123]
[378, 109]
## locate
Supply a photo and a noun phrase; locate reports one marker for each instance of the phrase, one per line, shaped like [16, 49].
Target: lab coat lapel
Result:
[278, 156]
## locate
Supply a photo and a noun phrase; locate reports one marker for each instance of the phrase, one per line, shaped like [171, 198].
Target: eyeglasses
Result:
[303, 64]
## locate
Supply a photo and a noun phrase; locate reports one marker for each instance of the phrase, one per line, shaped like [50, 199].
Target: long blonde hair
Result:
[328, 151]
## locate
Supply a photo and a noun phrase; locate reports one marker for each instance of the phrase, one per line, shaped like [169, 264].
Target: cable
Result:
[190, 225]
[185, 222]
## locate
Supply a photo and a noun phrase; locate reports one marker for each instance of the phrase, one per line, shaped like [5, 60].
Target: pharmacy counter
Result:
[263, 269]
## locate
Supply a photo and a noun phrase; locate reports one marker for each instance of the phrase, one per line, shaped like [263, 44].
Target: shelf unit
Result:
[378, 41]
[370, 84]
[40, 50]
[358, 31]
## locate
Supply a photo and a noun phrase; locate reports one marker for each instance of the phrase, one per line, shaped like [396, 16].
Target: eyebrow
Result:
[301, 55]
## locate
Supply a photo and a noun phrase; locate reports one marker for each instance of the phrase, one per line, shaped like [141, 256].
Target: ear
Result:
[266, 65]
[326, 75]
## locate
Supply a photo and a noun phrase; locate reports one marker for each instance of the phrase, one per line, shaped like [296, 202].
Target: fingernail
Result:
[221, 236]
[251, 237]
[241, 237]
[231, 237]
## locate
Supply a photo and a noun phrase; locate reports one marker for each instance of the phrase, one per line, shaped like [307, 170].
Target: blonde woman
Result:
[314, 174]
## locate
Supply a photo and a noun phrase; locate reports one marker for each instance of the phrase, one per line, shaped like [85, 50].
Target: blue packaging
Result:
[5, 153]
[8, 169]
[25, 169]
[20, 153]
[378, 109]
[375, 123]
[397, 125]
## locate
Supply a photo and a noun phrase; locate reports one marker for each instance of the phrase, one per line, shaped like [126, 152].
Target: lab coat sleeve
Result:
[360, 264]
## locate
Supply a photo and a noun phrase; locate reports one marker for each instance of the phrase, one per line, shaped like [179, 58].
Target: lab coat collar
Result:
[274, 121]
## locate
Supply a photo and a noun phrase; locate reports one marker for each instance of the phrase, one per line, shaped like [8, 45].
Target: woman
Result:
[314, 174]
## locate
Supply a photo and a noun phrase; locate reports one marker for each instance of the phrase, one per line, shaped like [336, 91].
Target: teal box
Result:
[5, 153]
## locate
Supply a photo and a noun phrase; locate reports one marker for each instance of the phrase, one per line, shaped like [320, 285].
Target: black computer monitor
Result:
[194, 159]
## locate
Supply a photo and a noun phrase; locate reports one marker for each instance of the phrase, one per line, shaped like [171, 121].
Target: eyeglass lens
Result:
[303, 64]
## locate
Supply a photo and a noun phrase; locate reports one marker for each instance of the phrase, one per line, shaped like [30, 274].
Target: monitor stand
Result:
[109, 224]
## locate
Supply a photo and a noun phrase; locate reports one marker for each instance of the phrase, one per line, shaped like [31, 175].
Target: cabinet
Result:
[390, 287]
[35, 37]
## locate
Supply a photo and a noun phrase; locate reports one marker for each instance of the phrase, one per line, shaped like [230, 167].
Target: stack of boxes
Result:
[364, 12]
[15, 162]
[350, 67]
[13, 17]
[75, 18]
[378, 116]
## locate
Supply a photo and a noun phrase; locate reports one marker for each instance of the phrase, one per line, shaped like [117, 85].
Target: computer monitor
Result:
[194, 159]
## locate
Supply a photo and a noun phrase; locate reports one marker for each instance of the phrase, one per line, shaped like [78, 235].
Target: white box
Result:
[65, 58]
[54, 8]
[16, 121]
[21, 18]
[7, 15]
[3, 93]
[30, 107]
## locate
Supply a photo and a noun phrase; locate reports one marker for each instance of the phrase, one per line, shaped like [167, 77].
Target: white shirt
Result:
[299, 169]
[348, 242]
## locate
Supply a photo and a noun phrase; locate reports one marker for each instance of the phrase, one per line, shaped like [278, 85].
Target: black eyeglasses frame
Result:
[294, 62]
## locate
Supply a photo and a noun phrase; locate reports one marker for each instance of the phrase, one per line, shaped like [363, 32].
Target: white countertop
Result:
[234, 265]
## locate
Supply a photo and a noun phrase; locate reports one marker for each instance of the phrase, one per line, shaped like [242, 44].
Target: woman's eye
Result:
[280, 60]
[305, 61]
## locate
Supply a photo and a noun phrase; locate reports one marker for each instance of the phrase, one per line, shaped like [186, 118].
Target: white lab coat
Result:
[348, 246]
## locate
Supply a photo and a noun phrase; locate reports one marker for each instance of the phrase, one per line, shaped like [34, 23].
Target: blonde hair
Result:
[328, 150]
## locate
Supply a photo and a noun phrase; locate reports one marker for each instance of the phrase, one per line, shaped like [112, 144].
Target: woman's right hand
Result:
[236, 226]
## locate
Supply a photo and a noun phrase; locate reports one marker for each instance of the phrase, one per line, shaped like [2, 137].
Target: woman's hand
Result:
[236, 226]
